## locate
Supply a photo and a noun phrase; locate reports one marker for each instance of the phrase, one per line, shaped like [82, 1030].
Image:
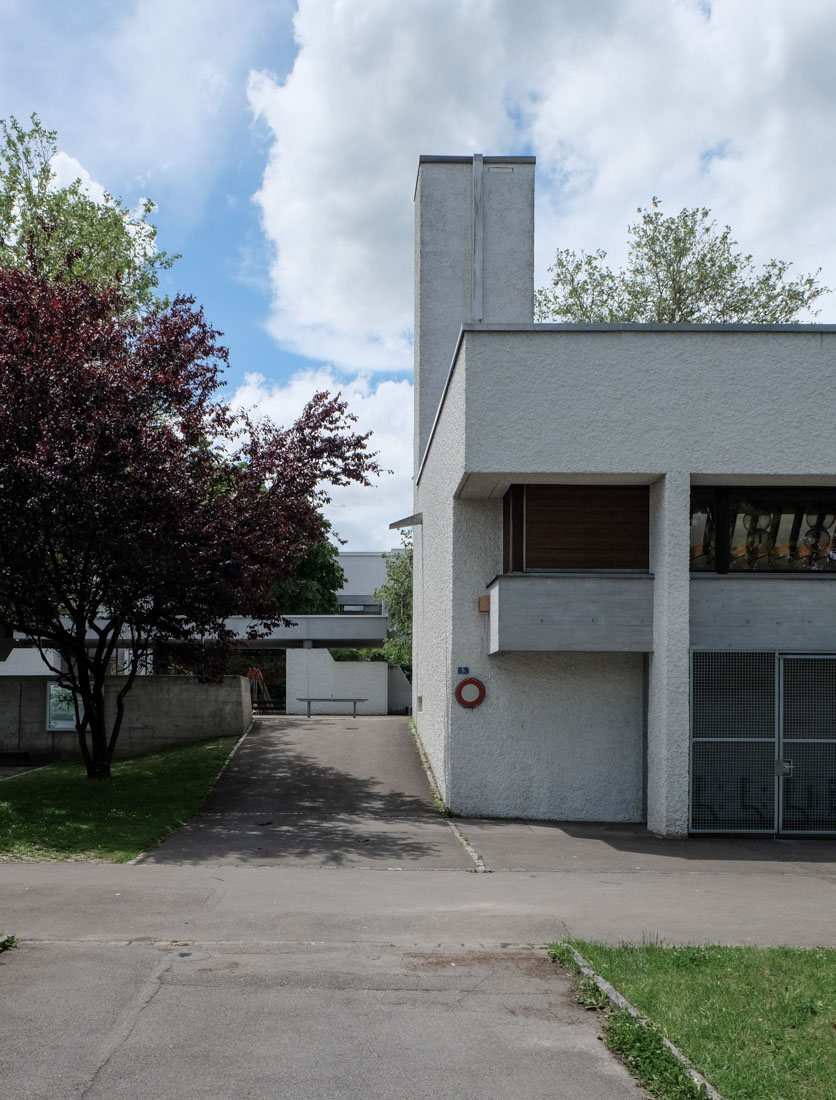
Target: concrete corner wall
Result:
[559, 736]
[315, 673]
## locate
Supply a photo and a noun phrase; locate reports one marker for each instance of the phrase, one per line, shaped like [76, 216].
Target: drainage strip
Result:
[439, 801]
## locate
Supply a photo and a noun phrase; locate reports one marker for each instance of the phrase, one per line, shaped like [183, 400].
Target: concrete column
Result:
[668, 688]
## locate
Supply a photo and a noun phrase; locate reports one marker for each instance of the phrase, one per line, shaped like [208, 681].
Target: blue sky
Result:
[280, 142]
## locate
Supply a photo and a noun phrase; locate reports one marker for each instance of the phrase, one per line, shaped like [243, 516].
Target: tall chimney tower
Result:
[474, 261]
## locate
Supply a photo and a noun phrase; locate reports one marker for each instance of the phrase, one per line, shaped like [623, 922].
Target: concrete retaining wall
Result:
[400, 692]
[160, 712]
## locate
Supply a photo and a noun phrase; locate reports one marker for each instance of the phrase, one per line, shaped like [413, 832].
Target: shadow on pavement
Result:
[296, 794]
[578, 842]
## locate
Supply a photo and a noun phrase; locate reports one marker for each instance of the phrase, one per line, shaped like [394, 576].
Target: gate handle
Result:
[784, 768]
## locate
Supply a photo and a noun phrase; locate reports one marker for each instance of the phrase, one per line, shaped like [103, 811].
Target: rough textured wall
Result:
[432, 580]
[559, 735]
[443, 267]
[648, 401]
[314, 672]
[474, 260]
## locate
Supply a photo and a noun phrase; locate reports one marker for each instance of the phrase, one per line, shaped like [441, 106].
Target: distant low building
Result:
[365, 572]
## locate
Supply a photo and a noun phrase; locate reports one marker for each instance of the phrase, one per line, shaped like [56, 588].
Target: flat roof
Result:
[645, 326]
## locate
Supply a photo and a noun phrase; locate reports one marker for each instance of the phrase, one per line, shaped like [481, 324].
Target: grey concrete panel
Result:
[571, 612]
[763, 612]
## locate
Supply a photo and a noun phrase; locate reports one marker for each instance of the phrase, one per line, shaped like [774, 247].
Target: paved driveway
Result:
[319, 932]
[321, 792]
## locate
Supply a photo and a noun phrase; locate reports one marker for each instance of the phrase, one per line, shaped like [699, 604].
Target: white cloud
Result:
[359, 515]
[700, 104]
[145, 92]
[67, 170]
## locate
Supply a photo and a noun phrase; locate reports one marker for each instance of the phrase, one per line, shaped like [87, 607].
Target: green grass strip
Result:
[638, 1042]
[759, 1023]
[56, 812]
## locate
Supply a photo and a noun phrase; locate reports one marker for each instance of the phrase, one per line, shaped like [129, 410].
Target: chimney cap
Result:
[438, 158]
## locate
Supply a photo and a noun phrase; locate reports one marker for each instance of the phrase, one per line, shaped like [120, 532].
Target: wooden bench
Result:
[313, 699]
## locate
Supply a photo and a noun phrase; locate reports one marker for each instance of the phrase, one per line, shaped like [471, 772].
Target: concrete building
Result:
[365, 572]
[625, 533]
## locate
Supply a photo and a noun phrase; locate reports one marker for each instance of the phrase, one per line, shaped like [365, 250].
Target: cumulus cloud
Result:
[701, 104]
[359, 515]
[144, 91]
[66, 170]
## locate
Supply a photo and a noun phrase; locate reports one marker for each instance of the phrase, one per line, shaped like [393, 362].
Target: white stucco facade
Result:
[587, 708]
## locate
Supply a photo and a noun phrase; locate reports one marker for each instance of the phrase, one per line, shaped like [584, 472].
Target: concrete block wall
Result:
[23, 716]
[160, 712]
[164, 711]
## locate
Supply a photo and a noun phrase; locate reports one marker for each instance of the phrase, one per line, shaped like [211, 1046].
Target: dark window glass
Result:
[770, 530]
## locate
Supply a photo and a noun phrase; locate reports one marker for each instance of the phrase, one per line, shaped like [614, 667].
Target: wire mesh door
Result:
[806, 761]
[734, 709]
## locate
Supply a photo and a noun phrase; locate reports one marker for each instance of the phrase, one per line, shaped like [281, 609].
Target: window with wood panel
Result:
[554, 527]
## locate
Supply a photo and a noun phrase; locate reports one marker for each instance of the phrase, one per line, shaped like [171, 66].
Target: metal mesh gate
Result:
[763, 743]
[808, 744]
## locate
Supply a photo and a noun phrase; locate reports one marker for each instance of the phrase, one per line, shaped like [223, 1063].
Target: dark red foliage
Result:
[132, 502]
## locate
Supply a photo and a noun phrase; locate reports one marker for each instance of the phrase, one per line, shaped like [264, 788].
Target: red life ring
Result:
[470, 692]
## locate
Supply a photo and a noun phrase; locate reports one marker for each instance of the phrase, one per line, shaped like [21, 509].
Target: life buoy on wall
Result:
[470, 692]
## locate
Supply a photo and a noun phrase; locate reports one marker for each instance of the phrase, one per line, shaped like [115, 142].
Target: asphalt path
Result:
[319, 930]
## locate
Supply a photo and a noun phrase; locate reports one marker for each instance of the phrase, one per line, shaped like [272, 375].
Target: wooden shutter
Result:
[587, 527]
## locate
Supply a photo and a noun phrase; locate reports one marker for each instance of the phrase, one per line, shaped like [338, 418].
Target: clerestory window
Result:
[771, 529]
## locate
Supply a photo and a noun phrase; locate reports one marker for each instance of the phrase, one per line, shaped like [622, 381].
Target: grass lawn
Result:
[758, 1023]
[58, 813]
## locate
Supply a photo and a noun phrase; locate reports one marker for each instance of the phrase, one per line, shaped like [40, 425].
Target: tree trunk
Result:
[98, 765]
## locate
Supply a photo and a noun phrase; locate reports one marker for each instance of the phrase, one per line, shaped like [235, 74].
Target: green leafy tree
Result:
[311, 589]
[396, 595]
[679, 269]
[61, 233]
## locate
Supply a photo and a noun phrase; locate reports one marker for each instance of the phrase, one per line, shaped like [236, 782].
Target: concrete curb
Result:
[618, 1001]
[479, 863]
[24, 771]
[426, 765]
